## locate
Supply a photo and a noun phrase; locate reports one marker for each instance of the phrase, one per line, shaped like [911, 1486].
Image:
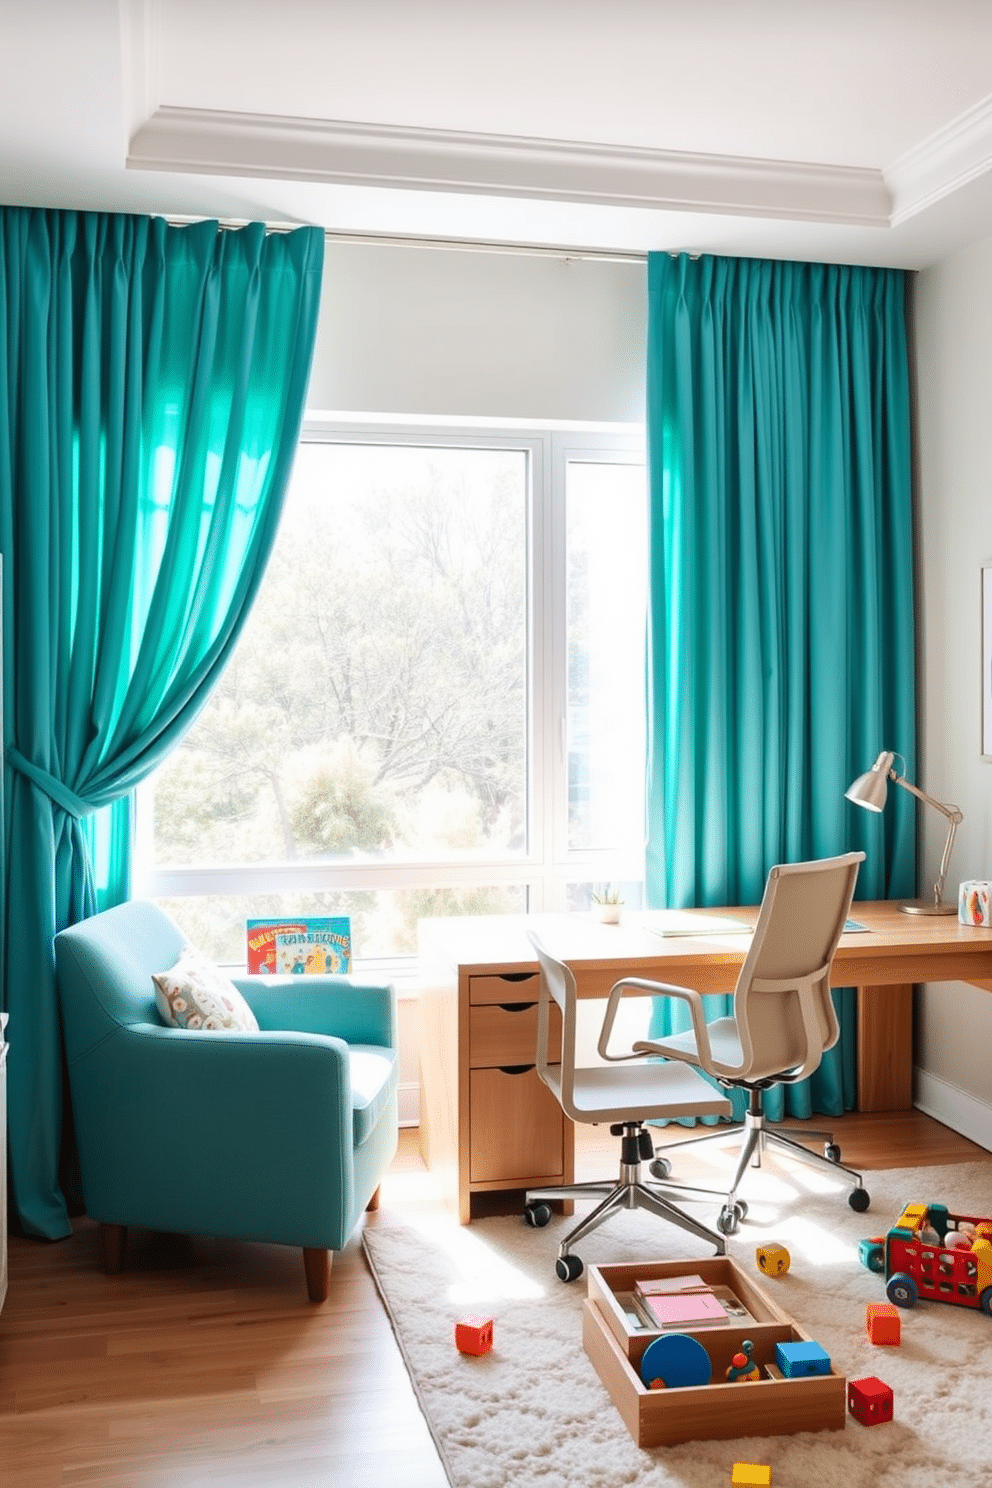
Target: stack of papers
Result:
[697, 922]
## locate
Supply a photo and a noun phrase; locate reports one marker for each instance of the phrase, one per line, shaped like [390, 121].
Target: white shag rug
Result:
[533, 1411]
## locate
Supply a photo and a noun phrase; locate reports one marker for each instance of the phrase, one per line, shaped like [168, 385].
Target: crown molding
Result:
[946, 161]
[206, 141]
[138, 25]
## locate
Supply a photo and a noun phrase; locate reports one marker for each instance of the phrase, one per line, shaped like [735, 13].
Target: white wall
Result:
[457, 333]
[953, 323]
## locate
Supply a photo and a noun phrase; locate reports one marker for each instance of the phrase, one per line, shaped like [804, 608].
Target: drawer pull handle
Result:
[516, 1007]
[517, 976]
[515, 1069]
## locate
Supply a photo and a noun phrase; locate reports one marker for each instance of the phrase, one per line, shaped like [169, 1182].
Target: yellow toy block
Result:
[912, 1217]
[773, 1259]
[750, 1475]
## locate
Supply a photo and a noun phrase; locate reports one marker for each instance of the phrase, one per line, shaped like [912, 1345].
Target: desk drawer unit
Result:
[516, 1127]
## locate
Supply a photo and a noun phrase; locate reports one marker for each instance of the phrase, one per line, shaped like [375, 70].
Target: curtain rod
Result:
[466, 245]
[479, 245]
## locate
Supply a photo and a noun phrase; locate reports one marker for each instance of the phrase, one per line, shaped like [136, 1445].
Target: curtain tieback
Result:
[59, 793]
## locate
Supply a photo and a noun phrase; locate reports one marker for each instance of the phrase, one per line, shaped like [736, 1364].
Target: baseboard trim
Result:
[409, 1104]
[948, 1103]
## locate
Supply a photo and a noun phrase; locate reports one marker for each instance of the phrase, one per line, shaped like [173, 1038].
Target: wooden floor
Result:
[203, 1362]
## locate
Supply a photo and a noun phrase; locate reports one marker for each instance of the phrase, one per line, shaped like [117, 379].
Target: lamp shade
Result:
[871, 788]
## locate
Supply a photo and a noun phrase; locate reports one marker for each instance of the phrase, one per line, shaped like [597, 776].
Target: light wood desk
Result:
[487, 1123]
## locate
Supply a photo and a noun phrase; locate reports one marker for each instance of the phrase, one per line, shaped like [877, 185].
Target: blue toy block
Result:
[798, 1359]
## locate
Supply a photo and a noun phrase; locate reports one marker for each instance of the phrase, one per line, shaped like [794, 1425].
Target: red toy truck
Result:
[932, 1253]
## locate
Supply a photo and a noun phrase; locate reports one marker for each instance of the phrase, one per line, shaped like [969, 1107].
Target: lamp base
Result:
[927, 907]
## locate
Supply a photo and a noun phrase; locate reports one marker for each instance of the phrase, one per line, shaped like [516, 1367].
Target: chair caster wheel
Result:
[568, 1268]
[729, 1219]
[660, 1168]
[538, 1214]
[859, 1199]
[832, 1152]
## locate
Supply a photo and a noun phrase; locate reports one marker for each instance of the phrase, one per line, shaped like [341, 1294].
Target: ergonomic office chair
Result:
[626, 1099]
[782, 1023]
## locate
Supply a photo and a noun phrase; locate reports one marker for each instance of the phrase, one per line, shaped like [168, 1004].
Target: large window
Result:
[437, 703]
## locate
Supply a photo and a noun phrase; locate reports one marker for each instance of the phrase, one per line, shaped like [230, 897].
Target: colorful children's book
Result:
[314, 952]
[312, 944]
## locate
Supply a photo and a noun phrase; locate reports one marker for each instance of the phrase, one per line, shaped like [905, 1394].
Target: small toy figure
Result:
[474, 1334]
[742, 1366]
[773, 1259]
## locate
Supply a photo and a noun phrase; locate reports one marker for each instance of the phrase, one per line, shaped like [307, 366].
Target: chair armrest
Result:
[203, 1132]
[648, 1047]
[357, 1012]
[220, 1075]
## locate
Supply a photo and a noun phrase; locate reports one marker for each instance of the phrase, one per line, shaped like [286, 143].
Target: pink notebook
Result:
[684, 1310]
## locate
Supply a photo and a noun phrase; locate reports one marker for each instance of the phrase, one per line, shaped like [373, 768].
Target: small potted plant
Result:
[606, 905]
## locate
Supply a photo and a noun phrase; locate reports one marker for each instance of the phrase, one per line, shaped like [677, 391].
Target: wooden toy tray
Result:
[769, 1406]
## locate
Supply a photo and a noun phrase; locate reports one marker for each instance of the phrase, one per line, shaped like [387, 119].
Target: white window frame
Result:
[548, 866]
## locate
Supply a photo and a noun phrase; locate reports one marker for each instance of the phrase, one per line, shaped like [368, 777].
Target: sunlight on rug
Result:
[533, 1411]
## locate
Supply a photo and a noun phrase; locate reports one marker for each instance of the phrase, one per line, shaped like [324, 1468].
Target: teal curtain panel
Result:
[152, 386]
[781, 642]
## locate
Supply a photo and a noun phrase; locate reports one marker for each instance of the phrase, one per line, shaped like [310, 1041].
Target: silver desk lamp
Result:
[870, 790]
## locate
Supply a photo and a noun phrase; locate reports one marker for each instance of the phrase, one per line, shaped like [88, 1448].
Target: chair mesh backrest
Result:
[799, 926]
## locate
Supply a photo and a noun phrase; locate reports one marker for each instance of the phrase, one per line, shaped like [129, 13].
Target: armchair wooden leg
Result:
[113, 1238]
[317, 1264]
[373, 1203]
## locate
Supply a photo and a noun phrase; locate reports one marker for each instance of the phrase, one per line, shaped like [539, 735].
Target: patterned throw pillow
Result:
[196, 994]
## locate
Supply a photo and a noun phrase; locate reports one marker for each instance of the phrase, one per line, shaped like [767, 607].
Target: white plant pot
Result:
[607, 914]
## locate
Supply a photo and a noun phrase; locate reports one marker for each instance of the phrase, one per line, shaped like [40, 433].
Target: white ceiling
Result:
[856, 130]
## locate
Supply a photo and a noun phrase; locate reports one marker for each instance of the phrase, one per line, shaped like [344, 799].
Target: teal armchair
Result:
[279, 1135]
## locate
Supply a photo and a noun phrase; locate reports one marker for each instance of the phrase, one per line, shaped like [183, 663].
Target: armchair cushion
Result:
[373, 1084]
[194, 993]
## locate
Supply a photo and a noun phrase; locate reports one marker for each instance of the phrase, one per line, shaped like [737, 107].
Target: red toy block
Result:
[882, 1323]
[474, 1334]
[870, 1400]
